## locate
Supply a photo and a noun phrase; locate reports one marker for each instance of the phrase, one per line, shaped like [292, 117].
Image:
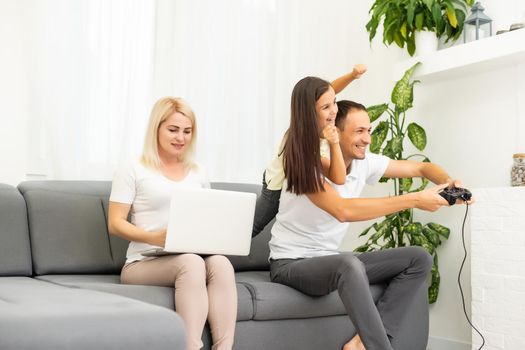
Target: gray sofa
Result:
[60, 289]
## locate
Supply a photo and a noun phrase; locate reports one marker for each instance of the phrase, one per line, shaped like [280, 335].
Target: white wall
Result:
[13, 90]
[478, 129]
[474, 124]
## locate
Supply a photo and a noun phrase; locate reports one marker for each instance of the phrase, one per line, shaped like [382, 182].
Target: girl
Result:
[313, 111]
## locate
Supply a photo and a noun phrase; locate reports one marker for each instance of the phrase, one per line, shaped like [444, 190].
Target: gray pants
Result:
[402, 269]
[266, 207]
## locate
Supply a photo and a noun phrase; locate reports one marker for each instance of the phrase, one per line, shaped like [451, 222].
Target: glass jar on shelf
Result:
[517, 174]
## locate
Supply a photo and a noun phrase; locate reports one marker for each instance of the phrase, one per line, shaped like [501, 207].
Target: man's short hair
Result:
[344, 107]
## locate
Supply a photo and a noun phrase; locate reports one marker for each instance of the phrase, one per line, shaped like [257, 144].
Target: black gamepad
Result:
[453, 193]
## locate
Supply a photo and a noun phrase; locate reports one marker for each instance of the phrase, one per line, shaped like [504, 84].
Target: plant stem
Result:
[415, 155]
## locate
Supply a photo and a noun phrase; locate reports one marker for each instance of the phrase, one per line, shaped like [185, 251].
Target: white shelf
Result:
[473, 57]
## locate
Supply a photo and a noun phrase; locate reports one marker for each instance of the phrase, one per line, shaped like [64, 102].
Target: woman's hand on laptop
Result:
[158, 238]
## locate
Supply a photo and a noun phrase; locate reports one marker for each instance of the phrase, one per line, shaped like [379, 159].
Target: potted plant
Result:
[388, 138]
[402, 19]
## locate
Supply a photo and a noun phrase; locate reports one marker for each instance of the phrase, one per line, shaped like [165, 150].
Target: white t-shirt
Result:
[149, 193]
[303, 230]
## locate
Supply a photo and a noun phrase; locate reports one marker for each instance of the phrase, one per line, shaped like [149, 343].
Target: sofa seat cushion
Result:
[275, 301]
[161, 296]
[35, 314]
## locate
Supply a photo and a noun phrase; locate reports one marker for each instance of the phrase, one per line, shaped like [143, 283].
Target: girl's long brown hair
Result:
[301, 151]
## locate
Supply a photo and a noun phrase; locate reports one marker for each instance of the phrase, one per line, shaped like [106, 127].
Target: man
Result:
[309, 229]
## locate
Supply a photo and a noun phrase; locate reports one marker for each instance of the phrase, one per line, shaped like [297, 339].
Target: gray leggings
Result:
[266, 207]
[402, 269]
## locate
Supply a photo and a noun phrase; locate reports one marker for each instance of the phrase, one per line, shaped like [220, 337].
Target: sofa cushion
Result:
[73, 318]
[161, 296]
[275, 301]
[49, 202]
[15, 251]
[68, 227]
[259, 251]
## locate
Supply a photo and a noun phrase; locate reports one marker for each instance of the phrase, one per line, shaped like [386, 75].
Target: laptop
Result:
[206, 221]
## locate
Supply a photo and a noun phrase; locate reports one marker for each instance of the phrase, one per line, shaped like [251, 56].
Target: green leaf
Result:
[428, 3]
[403, 30]
[436, 14]
[378, 137]
[391, 243]
[402, 94]
[440, 229]
[410, 12]
[419, 21]
[414, 228]
[433, 290]
[398, 38]
[365, 231]
[387, 151]
[397, 144]
[376, 111]
[371, 27]
[390, 28]
[363, 248]
[416, 240]
[411, 44]
[432, 236]
[382, 224]
[405, 214]
[428, 246]
[461, 23]
[405, 184]
[460, 5]
[384, 179]
[417, 136]
[377, 10]
[384, 229]
[451, 14]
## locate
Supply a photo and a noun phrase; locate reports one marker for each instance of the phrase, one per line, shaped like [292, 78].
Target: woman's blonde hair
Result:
[162, 109]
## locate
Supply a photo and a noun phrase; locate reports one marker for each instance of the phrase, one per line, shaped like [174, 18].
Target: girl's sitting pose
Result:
[316, 151]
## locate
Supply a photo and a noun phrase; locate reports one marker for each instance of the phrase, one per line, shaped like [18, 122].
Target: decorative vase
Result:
[426, 42]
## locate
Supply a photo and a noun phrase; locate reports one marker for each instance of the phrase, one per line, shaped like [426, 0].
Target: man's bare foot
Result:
[354, 344]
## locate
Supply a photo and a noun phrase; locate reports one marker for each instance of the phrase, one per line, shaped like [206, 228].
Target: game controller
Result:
[453, 193]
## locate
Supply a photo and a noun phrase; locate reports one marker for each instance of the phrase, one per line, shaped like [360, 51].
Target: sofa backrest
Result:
[259, 251]
[68, 229]
[15, 250]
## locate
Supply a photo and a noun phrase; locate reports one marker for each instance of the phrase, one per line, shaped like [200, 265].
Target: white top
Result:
[274, 175]
[149, 193]
[303, 230]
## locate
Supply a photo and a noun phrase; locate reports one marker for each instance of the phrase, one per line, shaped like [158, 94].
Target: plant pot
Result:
[426, 43]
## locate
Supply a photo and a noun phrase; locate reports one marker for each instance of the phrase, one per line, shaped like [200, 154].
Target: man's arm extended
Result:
[361, 209]
[409, 168]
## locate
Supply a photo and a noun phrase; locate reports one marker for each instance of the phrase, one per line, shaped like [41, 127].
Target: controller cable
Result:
[459, 277]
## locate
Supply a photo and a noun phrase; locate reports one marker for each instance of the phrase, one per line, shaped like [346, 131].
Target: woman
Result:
[204, 286]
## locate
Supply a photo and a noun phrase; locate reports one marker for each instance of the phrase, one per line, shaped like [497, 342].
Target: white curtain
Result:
[236, 63]
[220, 57]
[91, 85]
[101, 64]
